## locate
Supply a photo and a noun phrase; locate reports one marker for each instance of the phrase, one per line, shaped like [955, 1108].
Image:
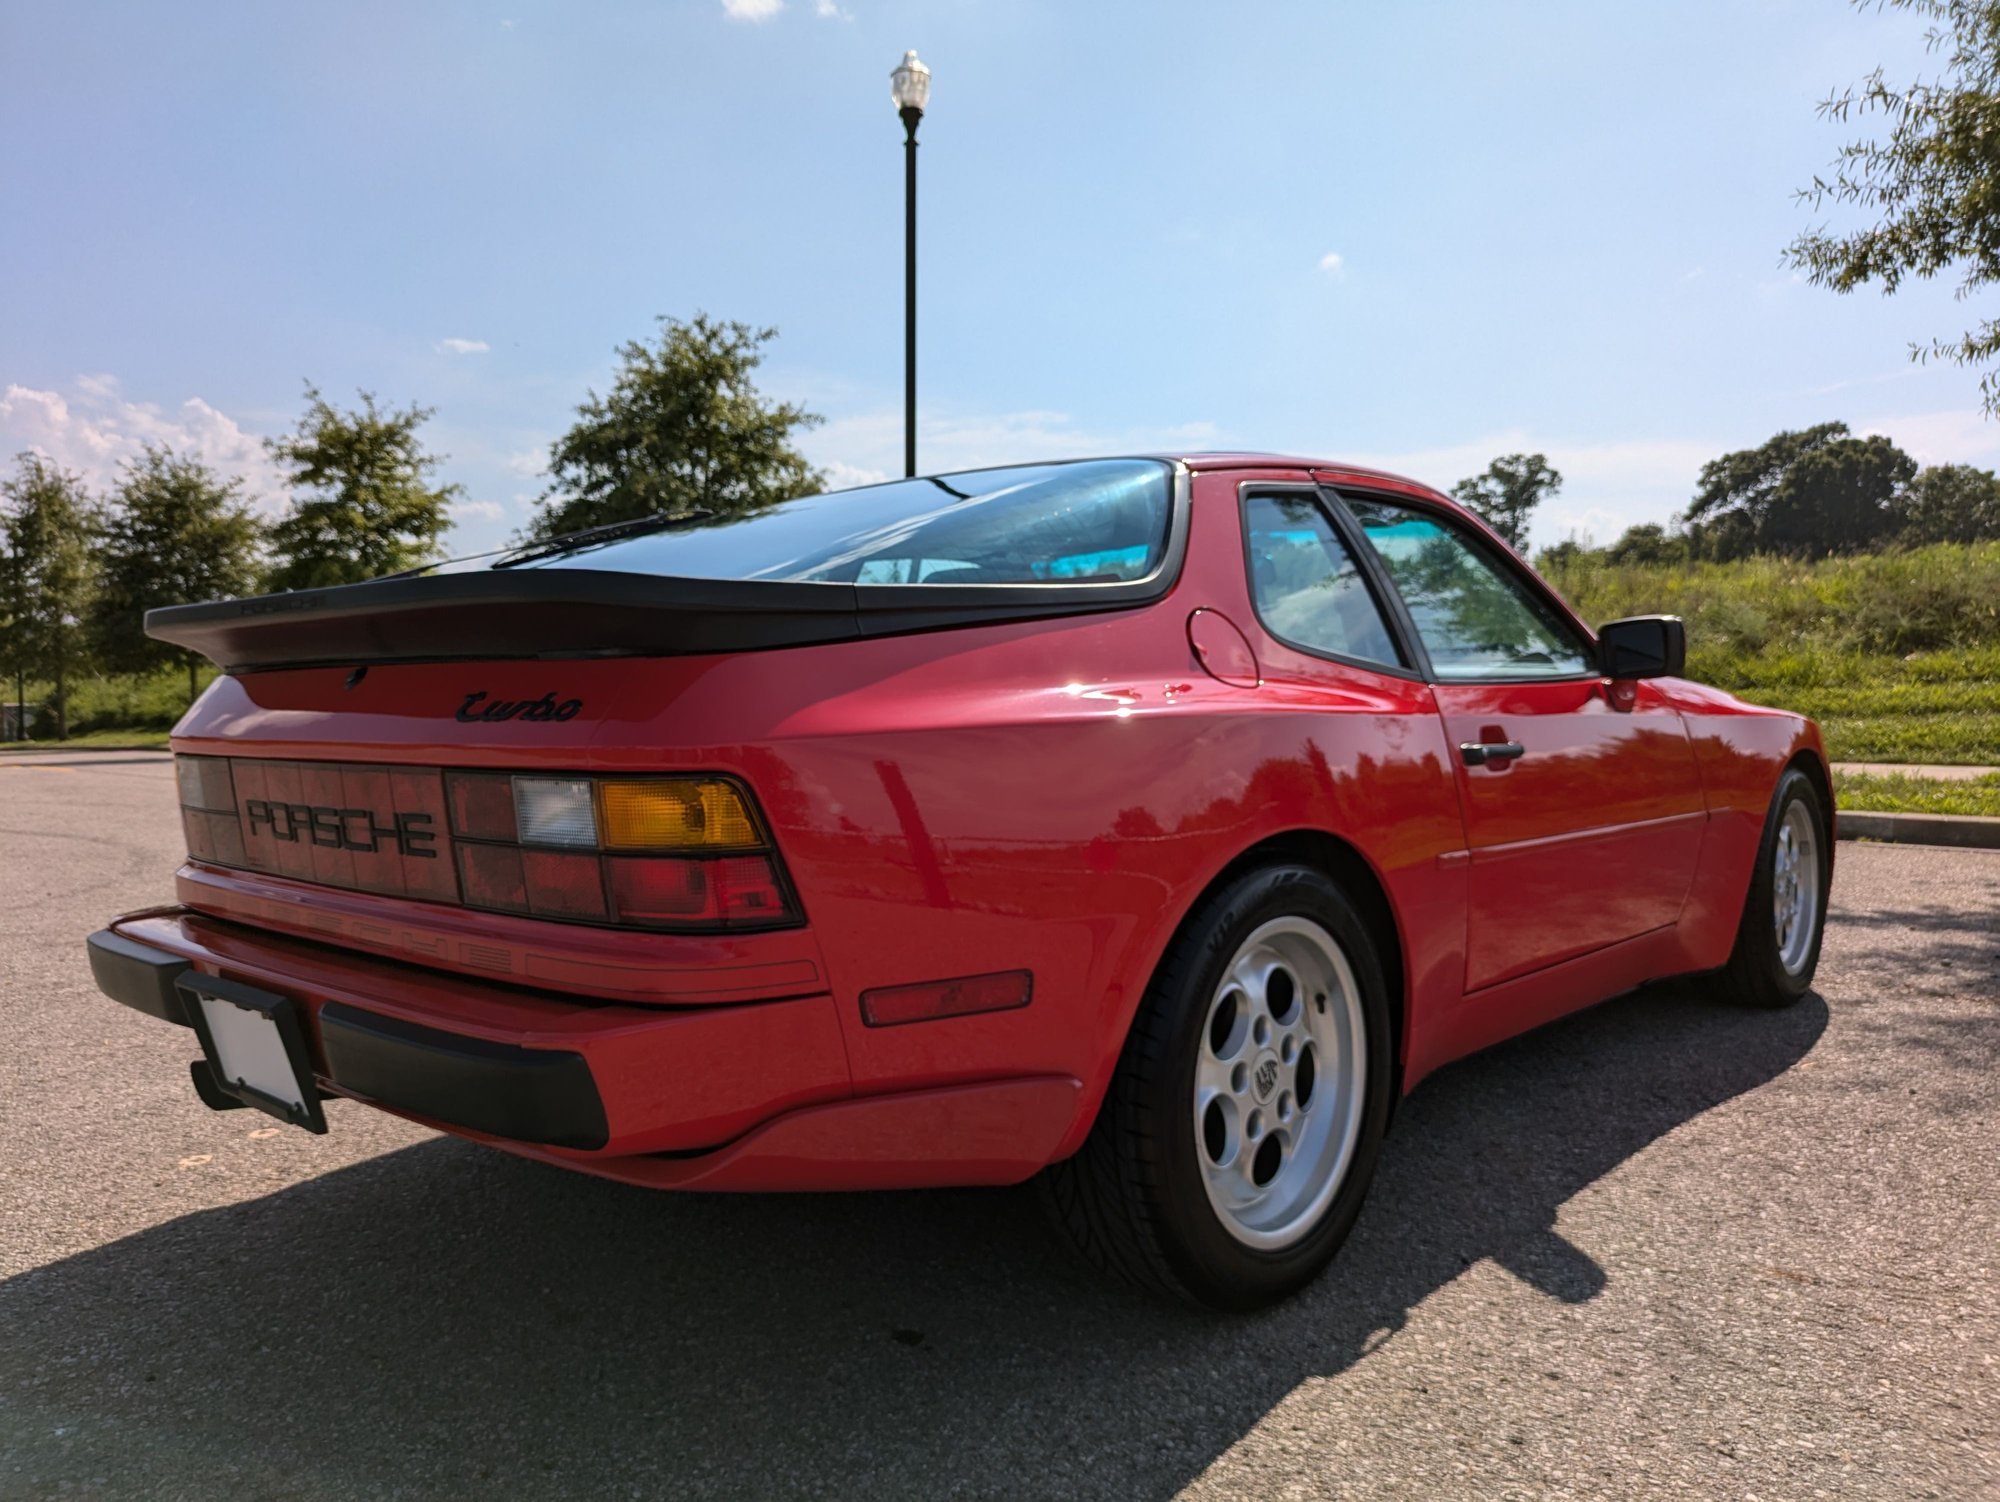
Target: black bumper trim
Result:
[138, 975]
[524, 1094]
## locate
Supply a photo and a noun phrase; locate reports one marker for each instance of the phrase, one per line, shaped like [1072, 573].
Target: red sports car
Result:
[1151, 825]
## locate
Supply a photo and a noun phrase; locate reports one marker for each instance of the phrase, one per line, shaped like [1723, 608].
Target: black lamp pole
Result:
[911, 115]
[910, 90]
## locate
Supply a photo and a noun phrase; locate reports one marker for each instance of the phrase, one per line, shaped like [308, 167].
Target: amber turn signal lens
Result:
[675, 813]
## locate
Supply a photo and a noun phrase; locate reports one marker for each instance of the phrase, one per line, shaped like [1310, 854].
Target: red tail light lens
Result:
[490, 876]
[564, 886]
[482, 806]
[664, 891]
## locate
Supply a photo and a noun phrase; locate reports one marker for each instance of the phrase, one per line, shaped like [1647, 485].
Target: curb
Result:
[1961, 830]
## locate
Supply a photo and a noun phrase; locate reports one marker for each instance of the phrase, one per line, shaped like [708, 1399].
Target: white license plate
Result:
[256, 1048]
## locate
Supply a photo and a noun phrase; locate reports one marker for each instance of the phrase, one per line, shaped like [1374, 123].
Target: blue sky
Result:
[1419, 235]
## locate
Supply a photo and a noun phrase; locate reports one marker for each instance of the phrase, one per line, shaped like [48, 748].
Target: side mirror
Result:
[1643, 646]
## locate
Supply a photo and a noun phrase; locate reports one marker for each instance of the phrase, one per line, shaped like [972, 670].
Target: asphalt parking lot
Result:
[1661, 1249]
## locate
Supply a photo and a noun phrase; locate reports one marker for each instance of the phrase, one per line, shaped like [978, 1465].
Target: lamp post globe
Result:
[910, 90]
[910, 86]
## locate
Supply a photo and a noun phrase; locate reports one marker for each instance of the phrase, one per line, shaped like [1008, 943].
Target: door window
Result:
[1477, 620]
[1307, 588]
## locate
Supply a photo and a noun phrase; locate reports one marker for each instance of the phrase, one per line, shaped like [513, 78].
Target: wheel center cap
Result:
[1265, 1079]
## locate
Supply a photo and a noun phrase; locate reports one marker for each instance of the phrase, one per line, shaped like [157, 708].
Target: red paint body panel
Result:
[1050, 795]
[671, 1080]
[1589, 839]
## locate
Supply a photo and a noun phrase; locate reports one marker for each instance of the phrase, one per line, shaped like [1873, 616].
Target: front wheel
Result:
[1240, 1132]
[1784, 915]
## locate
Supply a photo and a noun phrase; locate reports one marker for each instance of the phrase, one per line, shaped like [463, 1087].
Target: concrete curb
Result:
[1927, 770]
[1962, 830]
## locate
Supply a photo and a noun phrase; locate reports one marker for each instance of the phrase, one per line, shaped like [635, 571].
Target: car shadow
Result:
[446, 1321]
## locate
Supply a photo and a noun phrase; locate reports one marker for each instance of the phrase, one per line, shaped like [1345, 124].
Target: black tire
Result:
[1133, 1201]
[1756, 975]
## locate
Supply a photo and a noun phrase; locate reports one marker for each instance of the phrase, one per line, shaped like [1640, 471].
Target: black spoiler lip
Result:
[569, 612]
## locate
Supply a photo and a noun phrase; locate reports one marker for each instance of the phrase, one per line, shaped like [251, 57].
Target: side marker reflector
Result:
[895, 1005]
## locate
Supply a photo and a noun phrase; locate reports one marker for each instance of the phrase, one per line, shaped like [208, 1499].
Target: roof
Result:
[1247, 459]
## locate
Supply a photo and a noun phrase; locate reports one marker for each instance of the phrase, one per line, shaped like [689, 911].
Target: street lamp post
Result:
[910, 88]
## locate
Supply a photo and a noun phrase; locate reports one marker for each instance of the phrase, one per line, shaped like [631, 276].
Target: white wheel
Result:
[1279, 1082]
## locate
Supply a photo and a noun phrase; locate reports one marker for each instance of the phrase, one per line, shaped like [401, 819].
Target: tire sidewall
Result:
[1793, 787]
[1210, 1261]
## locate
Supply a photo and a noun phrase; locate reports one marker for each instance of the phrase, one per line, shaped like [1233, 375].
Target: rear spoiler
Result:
[568, 612]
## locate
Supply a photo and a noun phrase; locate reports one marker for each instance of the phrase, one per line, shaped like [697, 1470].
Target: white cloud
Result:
[1332, 264]
[1966, 436]
[463, 346]
[751, 10]
[93, 429]
[528, 462]
[840, 475]
[485, 511]
[828, 10]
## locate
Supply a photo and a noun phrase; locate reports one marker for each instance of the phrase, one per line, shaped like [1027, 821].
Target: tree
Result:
[1562, 557]
[1735, 492]
[13, 631]
[49, 521]
[1840, 498]
[1648, 543]
[1949, 503]
[1934, 181]
[1508, 493]
[1808, 493]
[176, 535]
[361, 505]
[682, 430]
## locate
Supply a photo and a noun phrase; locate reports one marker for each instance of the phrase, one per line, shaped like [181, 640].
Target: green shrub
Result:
[116, 701]
[1937, 599]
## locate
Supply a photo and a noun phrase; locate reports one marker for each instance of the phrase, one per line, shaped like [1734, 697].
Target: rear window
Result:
[1099, 521]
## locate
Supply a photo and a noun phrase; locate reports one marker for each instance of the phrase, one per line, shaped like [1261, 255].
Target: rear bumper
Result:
[748, 1096]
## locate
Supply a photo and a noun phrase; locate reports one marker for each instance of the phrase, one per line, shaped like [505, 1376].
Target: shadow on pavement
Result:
[445, 1320]
[1958, 957]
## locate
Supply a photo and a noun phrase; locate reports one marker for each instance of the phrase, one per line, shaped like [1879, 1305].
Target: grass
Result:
[95, 740]
[1900, 794]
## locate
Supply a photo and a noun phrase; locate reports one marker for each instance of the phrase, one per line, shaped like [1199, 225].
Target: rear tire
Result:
[1784, 915]
[1240, 1132]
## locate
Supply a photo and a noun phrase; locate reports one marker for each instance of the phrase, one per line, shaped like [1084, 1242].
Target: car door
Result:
[1583, 805]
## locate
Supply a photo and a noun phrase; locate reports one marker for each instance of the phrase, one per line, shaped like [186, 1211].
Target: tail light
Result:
[685, 853]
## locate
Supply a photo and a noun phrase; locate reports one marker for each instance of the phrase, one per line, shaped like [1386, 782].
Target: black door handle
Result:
[1479, 753]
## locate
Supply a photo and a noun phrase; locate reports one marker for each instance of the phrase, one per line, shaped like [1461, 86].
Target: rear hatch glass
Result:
[1093, 521]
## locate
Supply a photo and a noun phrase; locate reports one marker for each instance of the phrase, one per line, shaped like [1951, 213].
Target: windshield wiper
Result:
[609, 532]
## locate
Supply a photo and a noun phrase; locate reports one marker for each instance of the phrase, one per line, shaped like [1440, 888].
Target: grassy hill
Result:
[1897, 655]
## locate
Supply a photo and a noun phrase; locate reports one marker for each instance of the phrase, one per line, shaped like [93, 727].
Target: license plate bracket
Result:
[255, 1045]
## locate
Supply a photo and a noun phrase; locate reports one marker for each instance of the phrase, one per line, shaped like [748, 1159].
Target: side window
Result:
[1476, 619]
[1305, 583]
